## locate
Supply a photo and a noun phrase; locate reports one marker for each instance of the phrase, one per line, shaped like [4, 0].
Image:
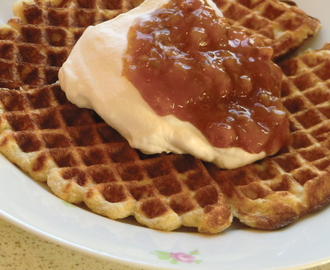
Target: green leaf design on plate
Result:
[68, 204]
[162, 255]
[178, 257]
[174, 261]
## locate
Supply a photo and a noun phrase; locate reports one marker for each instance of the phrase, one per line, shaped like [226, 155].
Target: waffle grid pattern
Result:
[281, 26]
[164, 192]
[84, 160]
[36, 42]
[278, 190]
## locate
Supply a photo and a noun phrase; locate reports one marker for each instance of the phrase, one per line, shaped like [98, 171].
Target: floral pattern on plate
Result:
[176, 257]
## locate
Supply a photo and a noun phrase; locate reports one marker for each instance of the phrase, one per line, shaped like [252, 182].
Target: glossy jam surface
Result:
[188, 62]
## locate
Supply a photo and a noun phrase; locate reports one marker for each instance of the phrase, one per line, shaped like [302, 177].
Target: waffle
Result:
[80, 157]
[282, 26]
[84, 160]
[279, 23]
[35, 43]
[278, 190]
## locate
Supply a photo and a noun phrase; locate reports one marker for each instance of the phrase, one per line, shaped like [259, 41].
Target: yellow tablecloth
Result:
[20, 250]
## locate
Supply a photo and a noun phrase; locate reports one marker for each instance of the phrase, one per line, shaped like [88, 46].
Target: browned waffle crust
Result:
[38, 40]
[276, 191]
[280, 25]
[81, 158]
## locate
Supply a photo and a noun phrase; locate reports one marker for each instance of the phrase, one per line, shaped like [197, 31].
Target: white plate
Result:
[32, 207]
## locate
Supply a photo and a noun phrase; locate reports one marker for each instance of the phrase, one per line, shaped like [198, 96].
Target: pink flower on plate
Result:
[182, 257]
[176, 257]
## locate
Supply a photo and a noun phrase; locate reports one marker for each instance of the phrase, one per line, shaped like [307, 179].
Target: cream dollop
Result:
[92, 78]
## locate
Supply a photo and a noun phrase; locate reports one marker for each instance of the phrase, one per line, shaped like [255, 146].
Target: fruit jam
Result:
[187, 61]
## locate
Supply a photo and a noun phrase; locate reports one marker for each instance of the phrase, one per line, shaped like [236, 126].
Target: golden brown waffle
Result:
[276, 191]
[282, 26]
[35, 43]
[80, 157]
[83, 159]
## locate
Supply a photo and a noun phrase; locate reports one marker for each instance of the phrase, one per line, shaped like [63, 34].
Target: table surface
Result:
[20, 250]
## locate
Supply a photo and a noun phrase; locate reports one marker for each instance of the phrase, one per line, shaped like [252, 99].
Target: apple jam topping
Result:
[187, 61]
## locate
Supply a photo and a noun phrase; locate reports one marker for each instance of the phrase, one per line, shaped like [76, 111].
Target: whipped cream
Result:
[92, 78]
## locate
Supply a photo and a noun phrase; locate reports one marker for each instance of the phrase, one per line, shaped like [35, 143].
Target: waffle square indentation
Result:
[167, 185]
[20, 122]
[56, 140]
[28, 141]
[74, 174]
